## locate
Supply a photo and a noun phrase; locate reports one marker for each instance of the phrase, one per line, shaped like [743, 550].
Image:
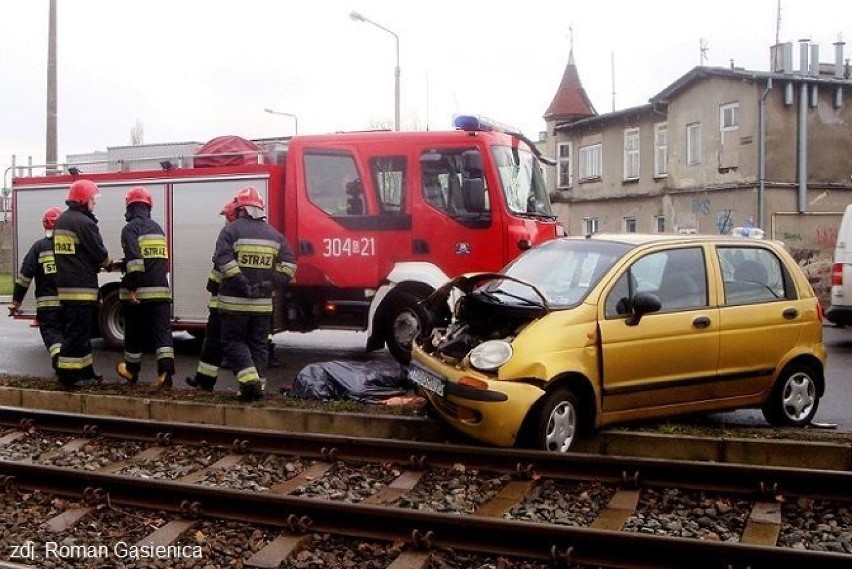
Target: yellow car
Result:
[579, 333]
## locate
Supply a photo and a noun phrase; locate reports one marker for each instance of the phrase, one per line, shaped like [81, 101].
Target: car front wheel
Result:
[559, 422]
[795, 399]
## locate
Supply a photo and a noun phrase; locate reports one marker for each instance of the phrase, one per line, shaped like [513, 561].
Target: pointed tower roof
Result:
[570, 102]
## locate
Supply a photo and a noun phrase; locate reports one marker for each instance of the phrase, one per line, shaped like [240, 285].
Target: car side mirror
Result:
[642, 304]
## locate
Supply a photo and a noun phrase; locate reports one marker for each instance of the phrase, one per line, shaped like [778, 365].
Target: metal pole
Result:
[396, 89]
[51, 135]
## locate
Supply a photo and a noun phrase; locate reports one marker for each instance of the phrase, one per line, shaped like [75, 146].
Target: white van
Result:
[840, 312]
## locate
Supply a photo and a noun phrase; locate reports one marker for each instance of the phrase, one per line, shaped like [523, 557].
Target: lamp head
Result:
[356, 16]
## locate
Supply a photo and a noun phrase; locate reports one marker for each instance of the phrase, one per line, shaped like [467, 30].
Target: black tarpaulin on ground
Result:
[367, 382]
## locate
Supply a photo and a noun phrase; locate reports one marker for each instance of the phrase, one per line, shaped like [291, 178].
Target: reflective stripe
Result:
[215, 276]
[240, 304]
[288, 269]
[248, 374]
[24, 281]
[135, 265]
[263, 249]
[206, 369]
[153, 293]
[133, 358]
[213, 303]
[47, 302]
[165, 352]
[74, 363]
[230, 269]
[70, 293]
[46, 256]
[54, 349]
[268, 243]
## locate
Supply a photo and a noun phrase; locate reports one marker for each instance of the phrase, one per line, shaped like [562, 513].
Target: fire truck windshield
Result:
[522, 181]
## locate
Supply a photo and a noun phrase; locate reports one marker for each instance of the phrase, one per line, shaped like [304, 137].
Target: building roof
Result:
[570, 101]
[700, 72]
[601, 119]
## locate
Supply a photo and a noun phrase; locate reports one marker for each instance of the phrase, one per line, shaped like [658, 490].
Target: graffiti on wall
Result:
[810, 238]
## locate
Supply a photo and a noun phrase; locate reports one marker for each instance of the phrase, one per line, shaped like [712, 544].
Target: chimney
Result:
[814, 69]
[803, 56]
[838, 57]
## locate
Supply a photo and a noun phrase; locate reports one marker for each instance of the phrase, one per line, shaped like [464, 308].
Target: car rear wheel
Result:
[559, 422]
[794, 398]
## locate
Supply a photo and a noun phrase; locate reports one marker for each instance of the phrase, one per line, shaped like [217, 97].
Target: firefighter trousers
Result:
[244, 344]
[210, 359]
[75, 362]
[51, 330]
[148, 328]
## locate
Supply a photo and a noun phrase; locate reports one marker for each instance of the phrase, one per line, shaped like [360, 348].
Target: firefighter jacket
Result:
[146, 256]
[251, 255]
[39, 264]
[80, 254]
[214, 280]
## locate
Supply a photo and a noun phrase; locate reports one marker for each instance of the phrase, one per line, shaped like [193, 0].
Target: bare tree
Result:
[137, 134]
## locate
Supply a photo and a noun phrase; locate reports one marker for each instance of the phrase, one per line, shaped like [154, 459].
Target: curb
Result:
[752, 451]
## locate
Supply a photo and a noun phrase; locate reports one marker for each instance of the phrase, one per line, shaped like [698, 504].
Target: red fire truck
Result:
[377, 220]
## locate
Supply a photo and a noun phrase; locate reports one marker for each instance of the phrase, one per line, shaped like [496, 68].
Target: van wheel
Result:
[111, 320]
[403, 324]
[794, 400]
[559, 422]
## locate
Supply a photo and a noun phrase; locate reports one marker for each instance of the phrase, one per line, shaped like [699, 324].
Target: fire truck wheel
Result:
[110, 320]
[404, 319]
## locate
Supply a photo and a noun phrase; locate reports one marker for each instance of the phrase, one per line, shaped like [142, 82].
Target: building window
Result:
[630, 225]
[693, 143]
[661, 150]
[563, 166]
[590, 225]
[631, 154]
[729, 116]
[660, 223]
[591, 162]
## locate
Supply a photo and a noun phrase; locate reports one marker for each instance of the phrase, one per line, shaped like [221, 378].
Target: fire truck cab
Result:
[377, 220]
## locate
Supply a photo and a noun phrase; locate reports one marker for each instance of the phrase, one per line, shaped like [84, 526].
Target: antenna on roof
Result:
[703, 48]
[778, 24]
[612, 63]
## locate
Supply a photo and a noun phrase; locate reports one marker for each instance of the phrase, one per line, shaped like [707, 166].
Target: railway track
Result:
[419, 500]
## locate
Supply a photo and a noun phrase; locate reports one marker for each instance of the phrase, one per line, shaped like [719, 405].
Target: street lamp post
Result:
[359, 18]
[291, 115]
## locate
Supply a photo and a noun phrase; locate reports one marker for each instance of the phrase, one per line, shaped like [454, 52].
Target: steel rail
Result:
[629, 471]
[570, 545]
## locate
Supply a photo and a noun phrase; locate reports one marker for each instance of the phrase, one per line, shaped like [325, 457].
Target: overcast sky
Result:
[191, 70]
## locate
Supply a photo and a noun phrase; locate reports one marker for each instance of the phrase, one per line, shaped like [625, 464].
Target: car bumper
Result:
[493, 415]
[840, 315]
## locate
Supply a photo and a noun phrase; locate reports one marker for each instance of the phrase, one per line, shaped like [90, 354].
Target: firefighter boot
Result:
[200, 382]
[251, 390]
[132, 377]
[163, 380]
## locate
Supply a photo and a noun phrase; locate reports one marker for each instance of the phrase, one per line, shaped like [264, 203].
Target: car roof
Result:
[637, 239]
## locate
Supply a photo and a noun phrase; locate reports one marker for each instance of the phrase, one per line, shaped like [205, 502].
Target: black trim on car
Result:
[652, 386]
[473, 394]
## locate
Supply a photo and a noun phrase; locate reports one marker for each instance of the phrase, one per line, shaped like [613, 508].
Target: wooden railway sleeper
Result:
[240, 446]
[190, 510]
[527, 472]
[164, 439]
[419, 462]
[91, 430]
[422, 541]
[299, 524]
[563, 558]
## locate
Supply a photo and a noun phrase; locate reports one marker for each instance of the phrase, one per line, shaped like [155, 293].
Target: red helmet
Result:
[248, 196]
[49, 217]
[139, 195]
[229, 210]
[82, 191]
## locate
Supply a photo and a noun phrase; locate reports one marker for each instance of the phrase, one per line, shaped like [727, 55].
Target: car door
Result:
[760, 317]
[669, 356]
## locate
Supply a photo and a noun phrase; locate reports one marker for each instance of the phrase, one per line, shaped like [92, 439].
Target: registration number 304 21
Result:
[426, 380]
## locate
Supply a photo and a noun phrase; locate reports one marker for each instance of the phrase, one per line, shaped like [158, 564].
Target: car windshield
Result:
[563, 270]
[522, 181]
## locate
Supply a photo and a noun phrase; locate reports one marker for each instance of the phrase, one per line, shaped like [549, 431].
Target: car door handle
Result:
[790, 313]
[701, 322]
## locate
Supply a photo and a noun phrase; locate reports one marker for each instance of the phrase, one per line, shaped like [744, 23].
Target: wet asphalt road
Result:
[22, 353]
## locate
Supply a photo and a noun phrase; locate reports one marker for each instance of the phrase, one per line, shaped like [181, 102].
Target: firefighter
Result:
[80, 253]
[40, 264]
[146, 299]
[252, 256]
[210, 360]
